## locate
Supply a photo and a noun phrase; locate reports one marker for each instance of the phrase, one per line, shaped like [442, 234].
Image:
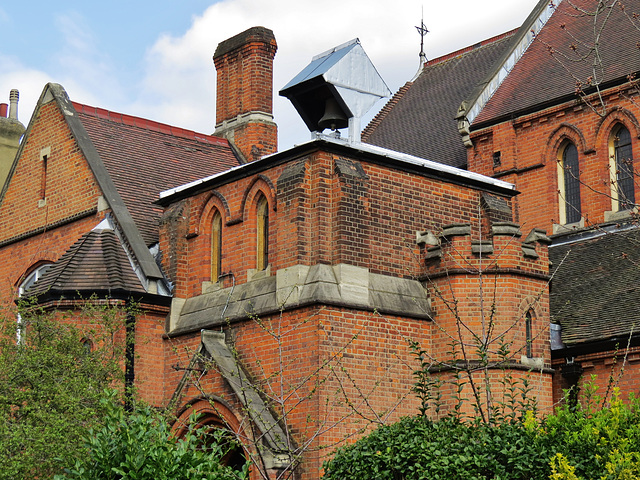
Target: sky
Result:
[153, 59]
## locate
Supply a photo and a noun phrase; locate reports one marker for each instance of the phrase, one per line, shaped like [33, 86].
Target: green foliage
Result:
[583, 443]
[140, 446]
[50, 388]
[426, 387]
[418, 448]
[598, 442]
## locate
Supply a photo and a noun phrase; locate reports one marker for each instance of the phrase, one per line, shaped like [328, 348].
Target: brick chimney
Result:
[244, 99]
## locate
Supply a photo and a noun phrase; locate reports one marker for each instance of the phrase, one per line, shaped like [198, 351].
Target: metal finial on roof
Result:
[422, 30]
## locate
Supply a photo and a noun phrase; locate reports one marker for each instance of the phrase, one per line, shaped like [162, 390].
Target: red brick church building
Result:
[278, 292]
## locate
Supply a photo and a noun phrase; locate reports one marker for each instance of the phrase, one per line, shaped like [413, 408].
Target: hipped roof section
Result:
[133, 160]
[421, 118]
[97, 263]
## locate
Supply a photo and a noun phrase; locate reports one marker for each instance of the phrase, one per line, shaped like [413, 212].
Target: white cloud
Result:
[85, 72]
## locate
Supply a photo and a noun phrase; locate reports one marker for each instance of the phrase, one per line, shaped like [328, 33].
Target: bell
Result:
[333, 117]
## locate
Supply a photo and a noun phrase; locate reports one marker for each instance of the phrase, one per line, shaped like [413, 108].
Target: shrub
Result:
[50, 389]
[140, 446]
[582, 443]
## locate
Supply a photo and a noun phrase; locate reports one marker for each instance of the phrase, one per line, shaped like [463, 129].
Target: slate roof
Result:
[144, 158]
[97, 262]
[526, 88]
[595, 290]
[420, 118]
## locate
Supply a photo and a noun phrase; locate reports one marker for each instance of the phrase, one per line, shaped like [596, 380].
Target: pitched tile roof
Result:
[421, 118]
[595, 289]
[97, 262]
[569, 35]
[144, 158]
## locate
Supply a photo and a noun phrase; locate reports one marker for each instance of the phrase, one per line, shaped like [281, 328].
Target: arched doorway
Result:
[215, 415]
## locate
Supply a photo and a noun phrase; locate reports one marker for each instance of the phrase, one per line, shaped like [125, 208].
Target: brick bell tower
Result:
[244, 98]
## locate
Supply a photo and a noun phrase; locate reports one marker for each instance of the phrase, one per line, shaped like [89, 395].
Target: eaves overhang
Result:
[551, 103]
[58, 297]
[612, 344]
[377, 155]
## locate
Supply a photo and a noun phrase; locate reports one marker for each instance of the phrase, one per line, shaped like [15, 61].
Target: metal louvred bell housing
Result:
[341, 83]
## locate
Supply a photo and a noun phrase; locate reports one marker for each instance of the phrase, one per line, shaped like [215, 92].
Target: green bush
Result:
[418, 448]
[141, 446]
[50, 389]
[582, 443]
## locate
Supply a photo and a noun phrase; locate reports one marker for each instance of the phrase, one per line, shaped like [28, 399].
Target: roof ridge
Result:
[470, 48]
[145, 123]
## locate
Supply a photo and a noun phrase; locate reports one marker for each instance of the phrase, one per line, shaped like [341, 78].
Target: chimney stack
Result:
[10, 132]
[13, 104]
[244, 97]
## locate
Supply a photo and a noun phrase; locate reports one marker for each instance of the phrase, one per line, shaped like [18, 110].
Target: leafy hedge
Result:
[51, 386]
[141, 446]
[583, 443]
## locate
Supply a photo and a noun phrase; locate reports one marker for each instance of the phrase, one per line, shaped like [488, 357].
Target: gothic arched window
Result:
[569, 184]
[622, 164]
[216, 247]
[262, 212]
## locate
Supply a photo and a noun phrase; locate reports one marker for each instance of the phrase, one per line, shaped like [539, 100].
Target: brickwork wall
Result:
[150, 354]
[343, 371]
[69, 186]
[255, 140]
[323, 209]
[71, 193]
[480, 303]
[529, 148]
[103, 324]
[611, 370]
[336, 372]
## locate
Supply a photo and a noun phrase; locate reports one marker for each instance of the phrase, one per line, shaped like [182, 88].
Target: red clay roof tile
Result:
[541, 77]
[421, 119]
[144, 158]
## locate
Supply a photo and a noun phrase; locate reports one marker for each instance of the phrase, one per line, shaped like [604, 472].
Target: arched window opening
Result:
[23, 289]
[87, 344]
[234, 455]
[528, 334]
[262, 212]
[216, 247]
[624, 194]
[569, 183]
